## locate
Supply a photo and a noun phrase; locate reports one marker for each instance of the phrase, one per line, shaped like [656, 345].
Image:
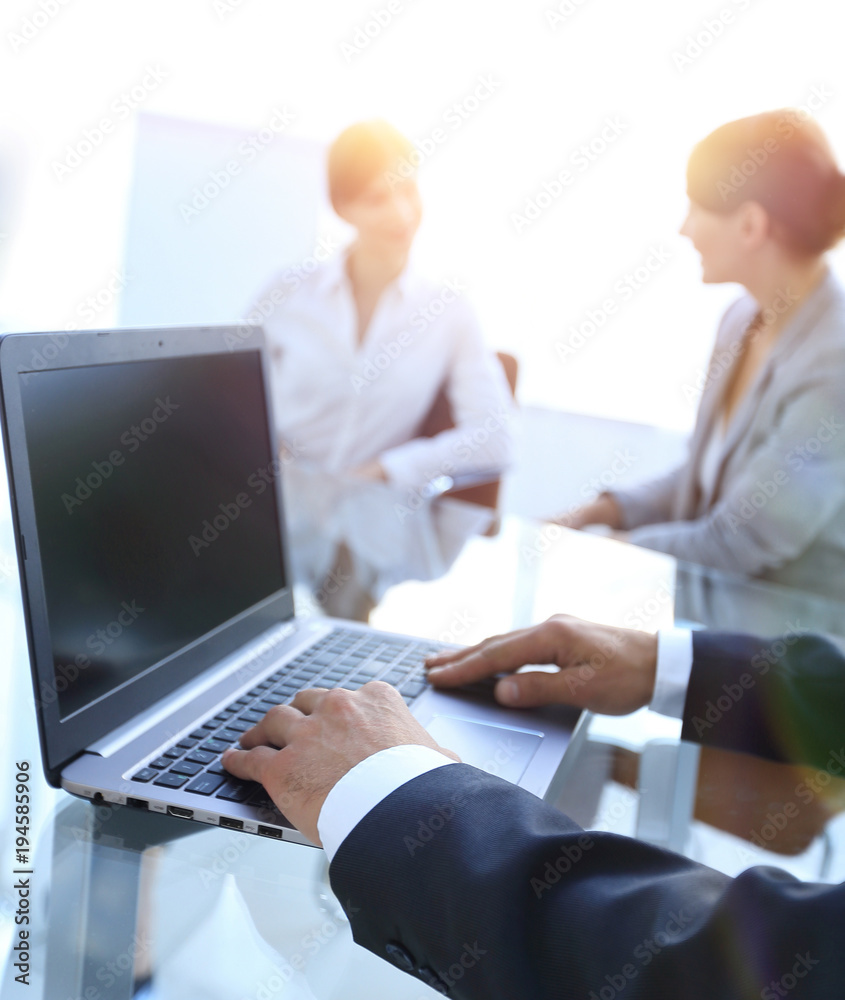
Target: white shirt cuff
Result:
[674, 665]
[365, 785]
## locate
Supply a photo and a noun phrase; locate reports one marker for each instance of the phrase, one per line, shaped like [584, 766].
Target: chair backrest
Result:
[440, 418]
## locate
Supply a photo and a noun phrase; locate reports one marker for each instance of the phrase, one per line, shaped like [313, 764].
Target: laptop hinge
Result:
[118, 738]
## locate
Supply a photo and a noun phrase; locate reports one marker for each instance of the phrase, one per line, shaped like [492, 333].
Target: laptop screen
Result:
[155, 506]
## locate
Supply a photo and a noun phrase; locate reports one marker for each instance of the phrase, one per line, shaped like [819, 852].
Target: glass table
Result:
[125, 903]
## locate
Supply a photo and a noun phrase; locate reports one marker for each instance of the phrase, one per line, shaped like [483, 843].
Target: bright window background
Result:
[557, 72]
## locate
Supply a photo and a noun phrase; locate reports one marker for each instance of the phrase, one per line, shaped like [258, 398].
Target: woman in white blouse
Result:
[763, 490]
[362, 346]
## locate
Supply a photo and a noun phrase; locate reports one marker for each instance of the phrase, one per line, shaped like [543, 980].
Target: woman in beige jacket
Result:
[763, 490]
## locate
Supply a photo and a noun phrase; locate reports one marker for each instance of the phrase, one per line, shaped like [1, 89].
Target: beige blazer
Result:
[776, 508]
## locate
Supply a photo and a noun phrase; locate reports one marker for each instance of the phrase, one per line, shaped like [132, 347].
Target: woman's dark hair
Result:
[362, 152]
[782, 160]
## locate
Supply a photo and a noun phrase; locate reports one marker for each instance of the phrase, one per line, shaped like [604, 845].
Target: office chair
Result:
[440, 418]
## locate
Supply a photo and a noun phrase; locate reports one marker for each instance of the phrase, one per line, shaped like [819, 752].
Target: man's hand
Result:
[322, 735]
[605, 669]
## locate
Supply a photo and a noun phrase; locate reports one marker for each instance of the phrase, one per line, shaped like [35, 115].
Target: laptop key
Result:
[252, 716]
[236, 791]
[145, 774]
[239, 725]
[186, 767]
[216, 768]
[188, 742]
[199, 734]
[205, 784]
[174, 753]
[273, 699]
[228, 735]
[161, 763]
[201, 756]
[171, 780]
[214, 746]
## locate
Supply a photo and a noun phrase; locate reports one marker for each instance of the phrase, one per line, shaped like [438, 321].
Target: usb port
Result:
[181, 812]
[231, 824]
[136, 803]
[270, 831]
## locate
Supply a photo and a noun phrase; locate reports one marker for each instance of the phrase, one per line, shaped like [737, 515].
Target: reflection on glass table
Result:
[350, 540]
[129, 903]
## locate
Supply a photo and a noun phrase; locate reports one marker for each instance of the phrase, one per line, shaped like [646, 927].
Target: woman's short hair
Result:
[782, 160]
[359, 154]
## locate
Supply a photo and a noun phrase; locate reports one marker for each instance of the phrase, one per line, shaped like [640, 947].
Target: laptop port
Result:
[231, 824]
[136, 803]
[271, 831]
[179, 811]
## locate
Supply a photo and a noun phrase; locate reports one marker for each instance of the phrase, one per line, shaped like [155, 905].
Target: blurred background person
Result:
[763, 490]
[361, 348]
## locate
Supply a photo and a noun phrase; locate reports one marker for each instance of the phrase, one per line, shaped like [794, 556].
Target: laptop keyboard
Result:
[343, 658]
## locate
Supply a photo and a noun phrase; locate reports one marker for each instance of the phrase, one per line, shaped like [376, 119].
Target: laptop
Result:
[147, 503]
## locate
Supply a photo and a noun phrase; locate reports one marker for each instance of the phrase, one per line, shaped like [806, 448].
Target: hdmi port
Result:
[181, 812]
[271, 831]
[231, 824]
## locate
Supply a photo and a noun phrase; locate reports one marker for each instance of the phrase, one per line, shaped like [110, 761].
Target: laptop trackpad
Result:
[500, 750]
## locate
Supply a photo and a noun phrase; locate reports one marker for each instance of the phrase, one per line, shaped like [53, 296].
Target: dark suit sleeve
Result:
[483, 891]
[781, 698]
